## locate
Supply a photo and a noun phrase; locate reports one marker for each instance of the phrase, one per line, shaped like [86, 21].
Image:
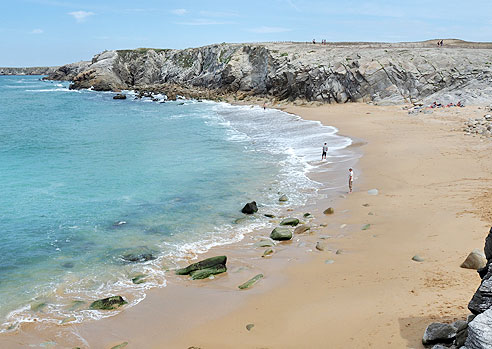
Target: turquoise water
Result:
[74, 163]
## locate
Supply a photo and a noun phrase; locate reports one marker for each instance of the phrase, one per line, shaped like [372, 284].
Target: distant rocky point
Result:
[28, 71]
[381, 73]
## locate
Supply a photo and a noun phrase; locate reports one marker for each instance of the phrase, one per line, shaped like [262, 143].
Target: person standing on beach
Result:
[351, 179]
[325, 150]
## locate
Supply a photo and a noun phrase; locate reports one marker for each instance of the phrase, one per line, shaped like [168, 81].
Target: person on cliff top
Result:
[325, 150]
[351, 179]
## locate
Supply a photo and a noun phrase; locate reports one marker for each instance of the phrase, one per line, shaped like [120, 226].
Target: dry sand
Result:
[434, 200]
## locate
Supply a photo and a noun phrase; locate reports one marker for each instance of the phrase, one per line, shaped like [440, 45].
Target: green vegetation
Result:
[223, 58]
[283, 54]
[141, 51]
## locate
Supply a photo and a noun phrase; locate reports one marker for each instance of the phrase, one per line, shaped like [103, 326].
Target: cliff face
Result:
[28, 71]
[383, 73]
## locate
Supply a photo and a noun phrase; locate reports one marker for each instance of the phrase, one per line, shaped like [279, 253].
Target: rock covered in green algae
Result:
[267, 252]
[329, 210]
[250, 282]
[207, 272]
[109, 303]
[205, 268]
[301, 229]
[290, 221]
[281, 234]
[139, 279]
[120, 346]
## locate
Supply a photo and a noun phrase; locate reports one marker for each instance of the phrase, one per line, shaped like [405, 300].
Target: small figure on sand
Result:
[264, 106]
[325, 150]
[351, 179]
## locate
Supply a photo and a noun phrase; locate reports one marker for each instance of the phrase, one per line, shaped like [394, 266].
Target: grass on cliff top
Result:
[142, 50]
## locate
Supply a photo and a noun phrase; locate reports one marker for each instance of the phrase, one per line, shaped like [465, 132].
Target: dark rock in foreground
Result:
[439, 333]
[205, 268]
[109, 303]
[250, 208]
[482, 299]
[119, 96]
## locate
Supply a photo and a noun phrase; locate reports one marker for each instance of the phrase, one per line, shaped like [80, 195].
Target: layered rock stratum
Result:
[28, 71]
[336, 72]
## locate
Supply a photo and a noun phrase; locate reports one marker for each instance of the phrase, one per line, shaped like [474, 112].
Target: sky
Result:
[56, 32]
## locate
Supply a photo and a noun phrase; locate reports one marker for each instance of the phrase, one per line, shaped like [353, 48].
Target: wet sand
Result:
[433, 201]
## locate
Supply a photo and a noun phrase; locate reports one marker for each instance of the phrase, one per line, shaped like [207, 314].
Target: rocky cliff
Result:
[336, 72]
[28, 71]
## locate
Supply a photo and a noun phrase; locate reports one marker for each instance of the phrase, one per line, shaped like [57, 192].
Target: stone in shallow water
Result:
[417, 258]
[208, 272]
[290, 221]
[39, 306]
[302, 229]
[139, 279]
[269, 215]
[283, 198]
[250, 208]
[214, 263]
[281, 234]
[267, 252]
[109, 303]
[68, 319]
[264, 243]
[329, 210]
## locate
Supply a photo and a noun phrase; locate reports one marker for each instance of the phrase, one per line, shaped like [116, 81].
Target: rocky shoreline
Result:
[332, 73]
[28, 71]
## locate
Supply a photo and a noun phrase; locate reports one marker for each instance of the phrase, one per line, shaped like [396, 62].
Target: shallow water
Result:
[175, 175]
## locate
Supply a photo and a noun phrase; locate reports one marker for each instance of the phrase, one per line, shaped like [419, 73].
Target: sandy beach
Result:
[363, 290]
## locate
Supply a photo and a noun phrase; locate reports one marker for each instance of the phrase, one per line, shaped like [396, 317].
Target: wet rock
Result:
[329, 210]
[205, 268]
[139, 279]
[250, 326]
[269, 215]
[307, 215]
[250, 208]
[290, 221]
[264, 243]
[68, 319]
[281, 234]
[268, 252]
[109, 303]
[251, 282]
[39, 306]
[461, 332]
[301, 229]
[119, 223]
[320, 246]
[439, 333]
[339, 251]
[208, 272]
[119, 96]
[283, 198]
[68, 265]
[475, 260]
[138, 257]
[120, 346]
[365, 226]
[417, 258]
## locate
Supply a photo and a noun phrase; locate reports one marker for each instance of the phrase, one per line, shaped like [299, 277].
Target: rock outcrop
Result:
[336, 72]
[204, 269]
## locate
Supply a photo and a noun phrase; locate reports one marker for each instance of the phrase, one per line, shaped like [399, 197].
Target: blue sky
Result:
[54, 32]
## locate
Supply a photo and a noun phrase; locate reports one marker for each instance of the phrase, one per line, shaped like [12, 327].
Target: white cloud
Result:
[37, 31]
[180, 11]
[269, 30]
[81, 16]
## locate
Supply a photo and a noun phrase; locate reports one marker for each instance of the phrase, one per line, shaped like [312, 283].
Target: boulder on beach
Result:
[264, 243]
[109, 303]
[205, 268]
[439, 333]
[281, 234]
[320, 246]
[268, 252]
[290, 221]
[119, 96]
[301, 229]
[329, 210]
[417, 258]
[250, 208]
[269, 215]
[475, 260]
[283, 198]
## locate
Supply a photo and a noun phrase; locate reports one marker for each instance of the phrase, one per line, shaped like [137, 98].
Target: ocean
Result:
[96, 192]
